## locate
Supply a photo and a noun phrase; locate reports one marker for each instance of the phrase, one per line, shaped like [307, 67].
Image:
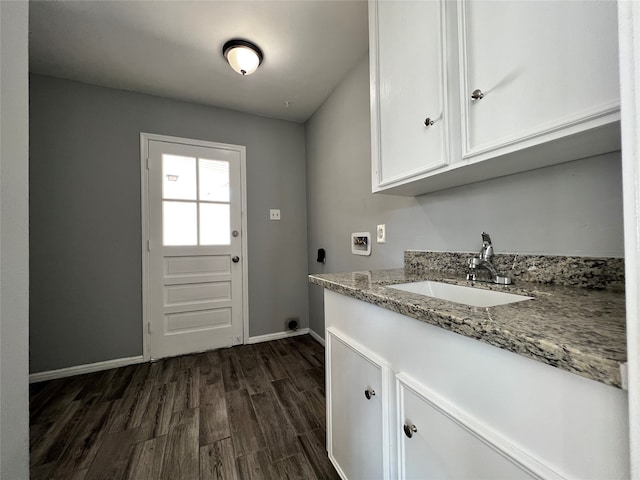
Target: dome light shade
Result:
[244, 57]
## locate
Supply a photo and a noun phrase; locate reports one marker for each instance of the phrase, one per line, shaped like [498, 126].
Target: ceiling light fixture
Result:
[243, 56]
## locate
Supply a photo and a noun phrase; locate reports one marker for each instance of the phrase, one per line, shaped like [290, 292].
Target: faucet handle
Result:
[486, 253]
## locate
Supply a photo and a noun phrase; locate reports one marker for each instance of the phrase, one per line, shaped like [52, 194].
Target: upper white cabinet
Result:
[546, 69]
[515, 86]
[409, 90]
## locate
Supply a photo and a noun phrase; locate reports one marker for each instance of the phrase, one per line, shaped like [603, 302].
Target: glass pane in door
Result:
[214, 224]
[178, 177]
[214, 180]
[179, 223]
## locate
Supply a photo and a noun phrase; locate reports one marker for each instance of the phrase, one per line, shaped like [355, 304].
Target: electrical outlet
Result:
[381, 235]
[274, 214]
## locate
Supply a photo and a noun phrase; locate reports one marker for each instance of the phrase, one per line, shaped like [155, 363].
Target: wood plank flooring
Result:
[250, 412]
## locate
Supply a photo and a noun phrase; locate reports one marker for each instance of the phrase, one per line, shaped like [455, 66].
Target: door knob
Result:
[477, 94]
[369, 392]
[409, 430]
[235, 259]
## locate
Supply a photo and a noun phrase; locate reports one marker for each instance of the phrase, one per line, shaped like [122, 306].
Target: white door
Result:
[195, 251]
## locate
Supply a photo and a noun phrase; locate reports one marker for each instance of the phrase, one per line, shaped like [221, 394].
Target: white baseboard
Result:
[123, 362]
[87, 368]
[317, 337]
[276, 336]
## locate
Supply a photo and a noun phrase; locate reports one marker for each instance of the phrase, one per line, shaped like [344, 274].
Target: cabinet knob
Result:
[428, 122]
[369, 392]
[235, 259]
[409, 430]
[477, 94]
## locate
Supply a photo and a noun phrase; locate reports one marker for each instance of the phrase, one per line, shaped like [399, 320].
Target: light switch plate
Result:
[274, 214]
[381, 234]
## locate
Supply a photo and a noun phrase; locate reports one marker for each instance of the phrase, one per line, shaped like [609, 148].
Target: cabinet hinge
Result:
[149, 327]
[147, 163]
[148, 245]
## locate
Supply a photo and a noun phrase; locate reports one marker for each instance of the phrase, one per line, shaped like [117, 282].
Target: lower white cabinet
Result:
[357, 420]
[435, 441]
[451, 407]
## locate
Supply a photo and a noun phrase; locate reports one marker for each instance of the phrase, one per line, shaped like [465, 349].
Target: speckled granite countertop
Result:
[576, 329]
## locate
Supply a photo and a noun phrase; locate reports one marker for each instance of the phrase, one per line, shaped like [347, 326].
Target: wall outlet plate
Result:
[381, 233]
[274, 214]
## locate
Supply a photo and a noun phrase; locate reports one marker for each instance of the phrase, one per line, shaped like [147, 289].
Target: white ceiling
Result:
[174, 49]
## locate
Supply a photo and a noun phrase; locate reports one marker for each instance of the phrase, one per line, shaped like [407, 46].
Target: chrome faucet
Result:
[485, 261]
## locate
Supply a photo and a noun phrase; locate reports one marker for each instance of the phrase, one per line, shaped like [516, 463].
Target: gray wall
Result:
[14, 238]
[569, 209]
[85, 216]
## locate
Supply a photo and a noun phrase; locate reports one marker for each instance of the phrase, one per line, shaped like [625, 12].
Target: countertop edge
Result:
[561, 356]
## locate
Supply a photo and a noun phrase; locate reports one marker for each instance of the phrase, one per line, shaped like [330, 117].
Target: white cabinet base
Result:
[573, 426]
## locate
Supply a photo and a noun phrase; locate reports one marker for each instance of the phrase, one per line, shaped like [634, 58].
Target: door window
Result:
[195, 201]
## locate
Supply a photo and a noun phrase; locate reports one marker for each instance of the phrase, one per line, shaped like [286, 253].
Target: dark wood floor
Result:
[249, 412]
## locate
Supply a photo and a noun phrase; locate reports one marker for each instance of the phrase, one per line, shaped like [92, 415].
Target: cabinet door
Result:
[546, 69]
[357, 392]
[435, 444]
[408, 88]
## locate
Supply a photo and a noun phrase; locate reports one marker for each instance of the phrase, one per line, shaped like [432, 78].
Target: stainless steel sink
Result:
[474, 297]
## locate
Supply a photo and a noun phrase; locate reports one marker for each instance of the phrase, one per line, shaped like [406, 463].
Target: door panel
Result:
[203, 265]
[200, 320]
[202, 292]
[195, 289]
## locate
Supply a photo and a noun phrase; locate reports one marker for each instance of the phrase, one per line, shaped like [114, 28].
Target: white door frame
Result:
[144, 191]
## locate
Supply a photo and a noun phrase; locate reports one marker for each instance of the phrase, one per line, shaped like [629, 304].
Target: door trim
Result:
[144, 197]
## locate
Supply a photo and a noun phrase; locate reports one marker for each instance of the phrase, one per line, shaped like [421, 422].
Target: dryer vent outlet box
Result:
[361, 243]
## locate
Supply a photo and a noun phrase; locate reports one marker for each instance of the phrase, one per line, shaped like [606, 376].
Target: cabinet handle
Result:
[477, 94]
[369, 392]
[428, 122]
[409, 430]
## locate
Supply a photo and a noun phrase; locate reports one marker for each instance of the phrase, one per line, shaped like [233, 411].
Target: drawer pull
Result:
[369, 392]
[409, 430]
[477, 94]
